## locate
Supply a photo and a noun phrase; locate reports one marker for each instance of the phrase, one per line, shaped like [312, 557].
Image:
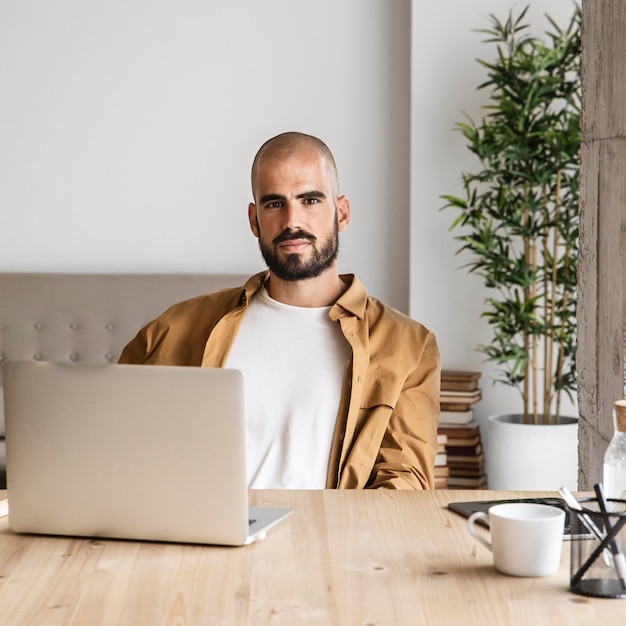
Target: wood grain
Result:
[343, 557]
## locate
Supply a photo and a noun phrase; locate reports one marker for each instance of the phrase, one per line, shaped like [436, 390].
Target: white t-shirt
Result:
[294, 361]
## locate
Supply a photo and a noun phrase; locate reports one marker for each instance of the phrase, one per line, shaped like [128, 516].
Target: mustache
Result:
[289, 235]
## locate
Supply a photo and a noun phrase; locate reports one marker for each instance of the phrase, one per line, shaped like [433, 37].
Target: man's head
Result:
[285, 144]
[297, 212]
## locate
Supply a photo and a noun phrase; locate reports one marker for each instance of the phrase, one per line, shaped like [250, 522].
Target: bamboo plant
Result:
[519, 215]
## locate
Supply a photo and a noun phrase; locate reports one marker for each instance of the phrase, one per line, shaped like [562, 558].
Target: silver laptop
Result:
[129, 451]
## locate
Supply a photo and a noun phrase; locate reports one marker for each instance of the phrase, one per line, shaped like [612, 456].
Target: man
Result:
[342, 391]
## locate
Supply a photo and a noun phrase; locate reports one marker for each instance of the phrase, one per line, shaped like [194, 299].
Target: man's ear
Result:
[252, 218]
[343, 212]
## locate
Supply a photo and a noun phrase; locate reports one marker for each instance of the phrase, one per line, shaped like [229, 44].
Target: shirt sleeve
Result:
[134, 353]
[406, 457]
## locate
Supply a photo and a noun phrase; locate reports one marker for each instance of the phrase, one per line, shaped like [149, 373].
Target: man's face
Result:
[296, 214]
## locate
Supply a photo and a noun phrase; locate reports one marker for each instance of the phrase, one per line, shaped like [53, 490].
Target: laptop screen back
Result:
[126, 451]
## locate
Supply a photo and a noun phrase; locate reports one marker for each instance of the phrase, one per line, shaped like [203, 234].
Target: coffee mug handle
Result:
[471, 526]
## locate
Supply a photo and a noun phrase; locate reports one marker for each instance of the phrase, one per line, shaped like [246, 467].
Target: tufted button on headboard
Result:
[87, 318]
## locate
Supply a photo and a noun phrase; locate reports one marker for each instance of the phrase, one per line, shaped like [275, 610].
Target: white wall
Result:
[444, 76]
[128, 127]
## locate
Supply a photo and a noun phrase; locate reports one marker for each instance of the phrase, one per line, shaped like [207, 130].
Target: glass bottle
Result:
[614, 480]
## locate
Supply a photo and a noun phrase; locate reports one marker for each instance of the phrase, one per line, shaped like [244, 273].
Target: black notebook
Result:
[467, 508]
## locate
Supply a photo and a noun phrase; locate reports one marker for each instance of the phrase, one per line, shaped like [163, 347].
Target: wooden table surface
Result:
[362, 558]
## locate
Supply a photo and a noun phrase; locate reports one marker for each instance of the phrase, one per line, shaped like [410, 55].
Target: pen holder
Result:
[598, 549]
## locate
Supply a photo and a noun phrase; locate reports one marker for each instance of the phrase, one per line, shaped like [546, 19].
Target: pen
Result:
[573, 504]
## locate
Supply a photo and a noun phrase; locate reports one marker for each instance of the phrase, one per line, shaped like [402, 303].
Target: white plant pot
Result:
[531, 457]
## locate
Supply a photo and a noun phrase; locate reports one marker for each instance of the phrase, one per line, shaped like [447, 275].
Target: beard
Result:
[293, 267]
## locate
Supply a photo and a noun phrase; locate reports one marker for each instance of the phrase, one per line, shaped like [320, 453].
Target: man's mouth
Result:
[296, 238]
[294, 245]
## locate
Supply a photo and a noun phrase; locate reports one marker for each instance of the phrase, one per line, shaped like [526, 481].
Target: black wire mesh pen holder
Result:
[598, 549]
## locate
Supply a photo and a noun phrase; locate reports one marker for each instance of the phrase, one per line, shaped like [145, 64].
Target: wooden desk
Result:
[344, 557]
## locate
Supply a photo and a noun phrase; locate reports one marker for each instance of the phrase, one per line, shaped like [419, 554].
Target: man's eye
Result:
[274, 205]
[311, 200]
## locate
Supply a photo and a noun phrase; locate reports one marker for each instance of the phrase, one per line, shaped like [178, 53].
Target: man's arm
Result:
[179, 335]
[135, 351]
[407, 453]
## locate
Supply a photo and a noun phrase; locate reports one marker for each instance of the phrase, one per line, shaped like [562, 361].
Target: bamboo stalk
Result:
[526, 336]
[553, 292]
[547, 365]
[530, 339]
[535, 345]
[561, 356]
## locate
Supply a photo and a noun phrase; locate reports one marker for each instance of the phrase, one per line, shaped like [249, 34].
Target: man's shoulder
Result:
[389, 327]
[213, 303]
[359, 303]
[203, 301]
[378, 309]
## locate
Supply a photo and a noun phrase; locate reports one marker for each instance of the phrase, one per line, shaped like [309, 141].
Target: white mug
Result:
[525, 538]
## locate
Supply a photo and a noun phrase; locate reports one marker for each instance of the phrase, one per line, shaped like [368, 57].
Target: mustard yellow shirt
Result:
[386, 428]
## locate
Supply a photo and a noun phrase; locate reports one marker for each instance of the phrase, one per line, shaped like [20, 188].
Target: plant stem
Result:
[526, 335]
[561, 358]
[553, 296]
[548, 291]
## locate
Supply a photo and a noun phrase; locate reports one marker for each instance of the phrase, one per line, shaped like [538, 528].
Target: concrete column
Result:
[602, 275]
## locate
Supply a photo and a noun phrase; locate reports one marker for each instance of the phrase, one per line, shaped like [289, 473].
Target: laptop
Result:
[130, 452]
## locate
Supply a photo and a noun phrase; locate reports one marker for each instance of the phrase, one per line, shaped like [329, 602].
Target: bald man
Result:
[342, 391]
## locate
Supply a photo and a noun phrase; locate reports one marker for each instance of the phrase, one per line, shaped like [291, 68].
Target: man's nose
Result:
[293, 215]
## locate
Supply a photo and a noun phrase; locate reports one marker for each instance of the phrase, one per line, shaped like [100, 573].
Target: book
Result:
[449, 374]
[442, 470]
[458, 430]
[455, 407]
[462, 395]
[456, 417]
[463, 441]
[470, 451]
[469, 472]
[462, 460]
[473, 482]
[457, 380]
[441, 459]
[441, 482]
[459, 401]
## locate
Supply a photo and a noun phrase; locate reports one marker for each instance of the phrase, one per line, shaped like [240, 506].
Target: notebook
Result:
[467, 508]
[129, 451]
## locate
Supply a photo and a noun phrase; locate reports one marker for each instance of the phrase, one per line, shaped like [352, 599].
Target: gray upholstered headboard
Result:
[87, 317]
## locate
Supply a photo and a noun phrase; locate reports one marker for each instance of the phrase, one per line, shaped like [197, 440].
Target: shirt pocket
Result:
[381, 389]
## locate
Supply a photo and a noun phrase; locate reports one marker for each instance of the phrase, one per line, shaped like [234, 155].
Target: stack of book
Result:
[465, 456]
[464, 453]
[459, 392]
[442, 471]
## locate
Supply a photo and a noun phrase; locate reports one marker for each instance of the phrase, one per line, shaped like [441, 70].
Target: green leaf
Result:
[524, 197]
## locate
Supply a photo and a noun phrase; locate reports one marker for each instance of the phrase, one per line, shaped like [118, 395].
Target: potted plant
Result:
[519, 223]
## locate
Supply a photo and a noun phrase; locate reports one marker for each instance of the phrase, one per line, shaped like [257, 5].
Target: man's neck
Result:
[324, 290]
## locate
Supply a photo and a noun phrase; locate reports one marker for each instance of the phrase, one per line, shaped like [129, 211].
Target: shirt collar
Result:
[252, 286]
[353, 301]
